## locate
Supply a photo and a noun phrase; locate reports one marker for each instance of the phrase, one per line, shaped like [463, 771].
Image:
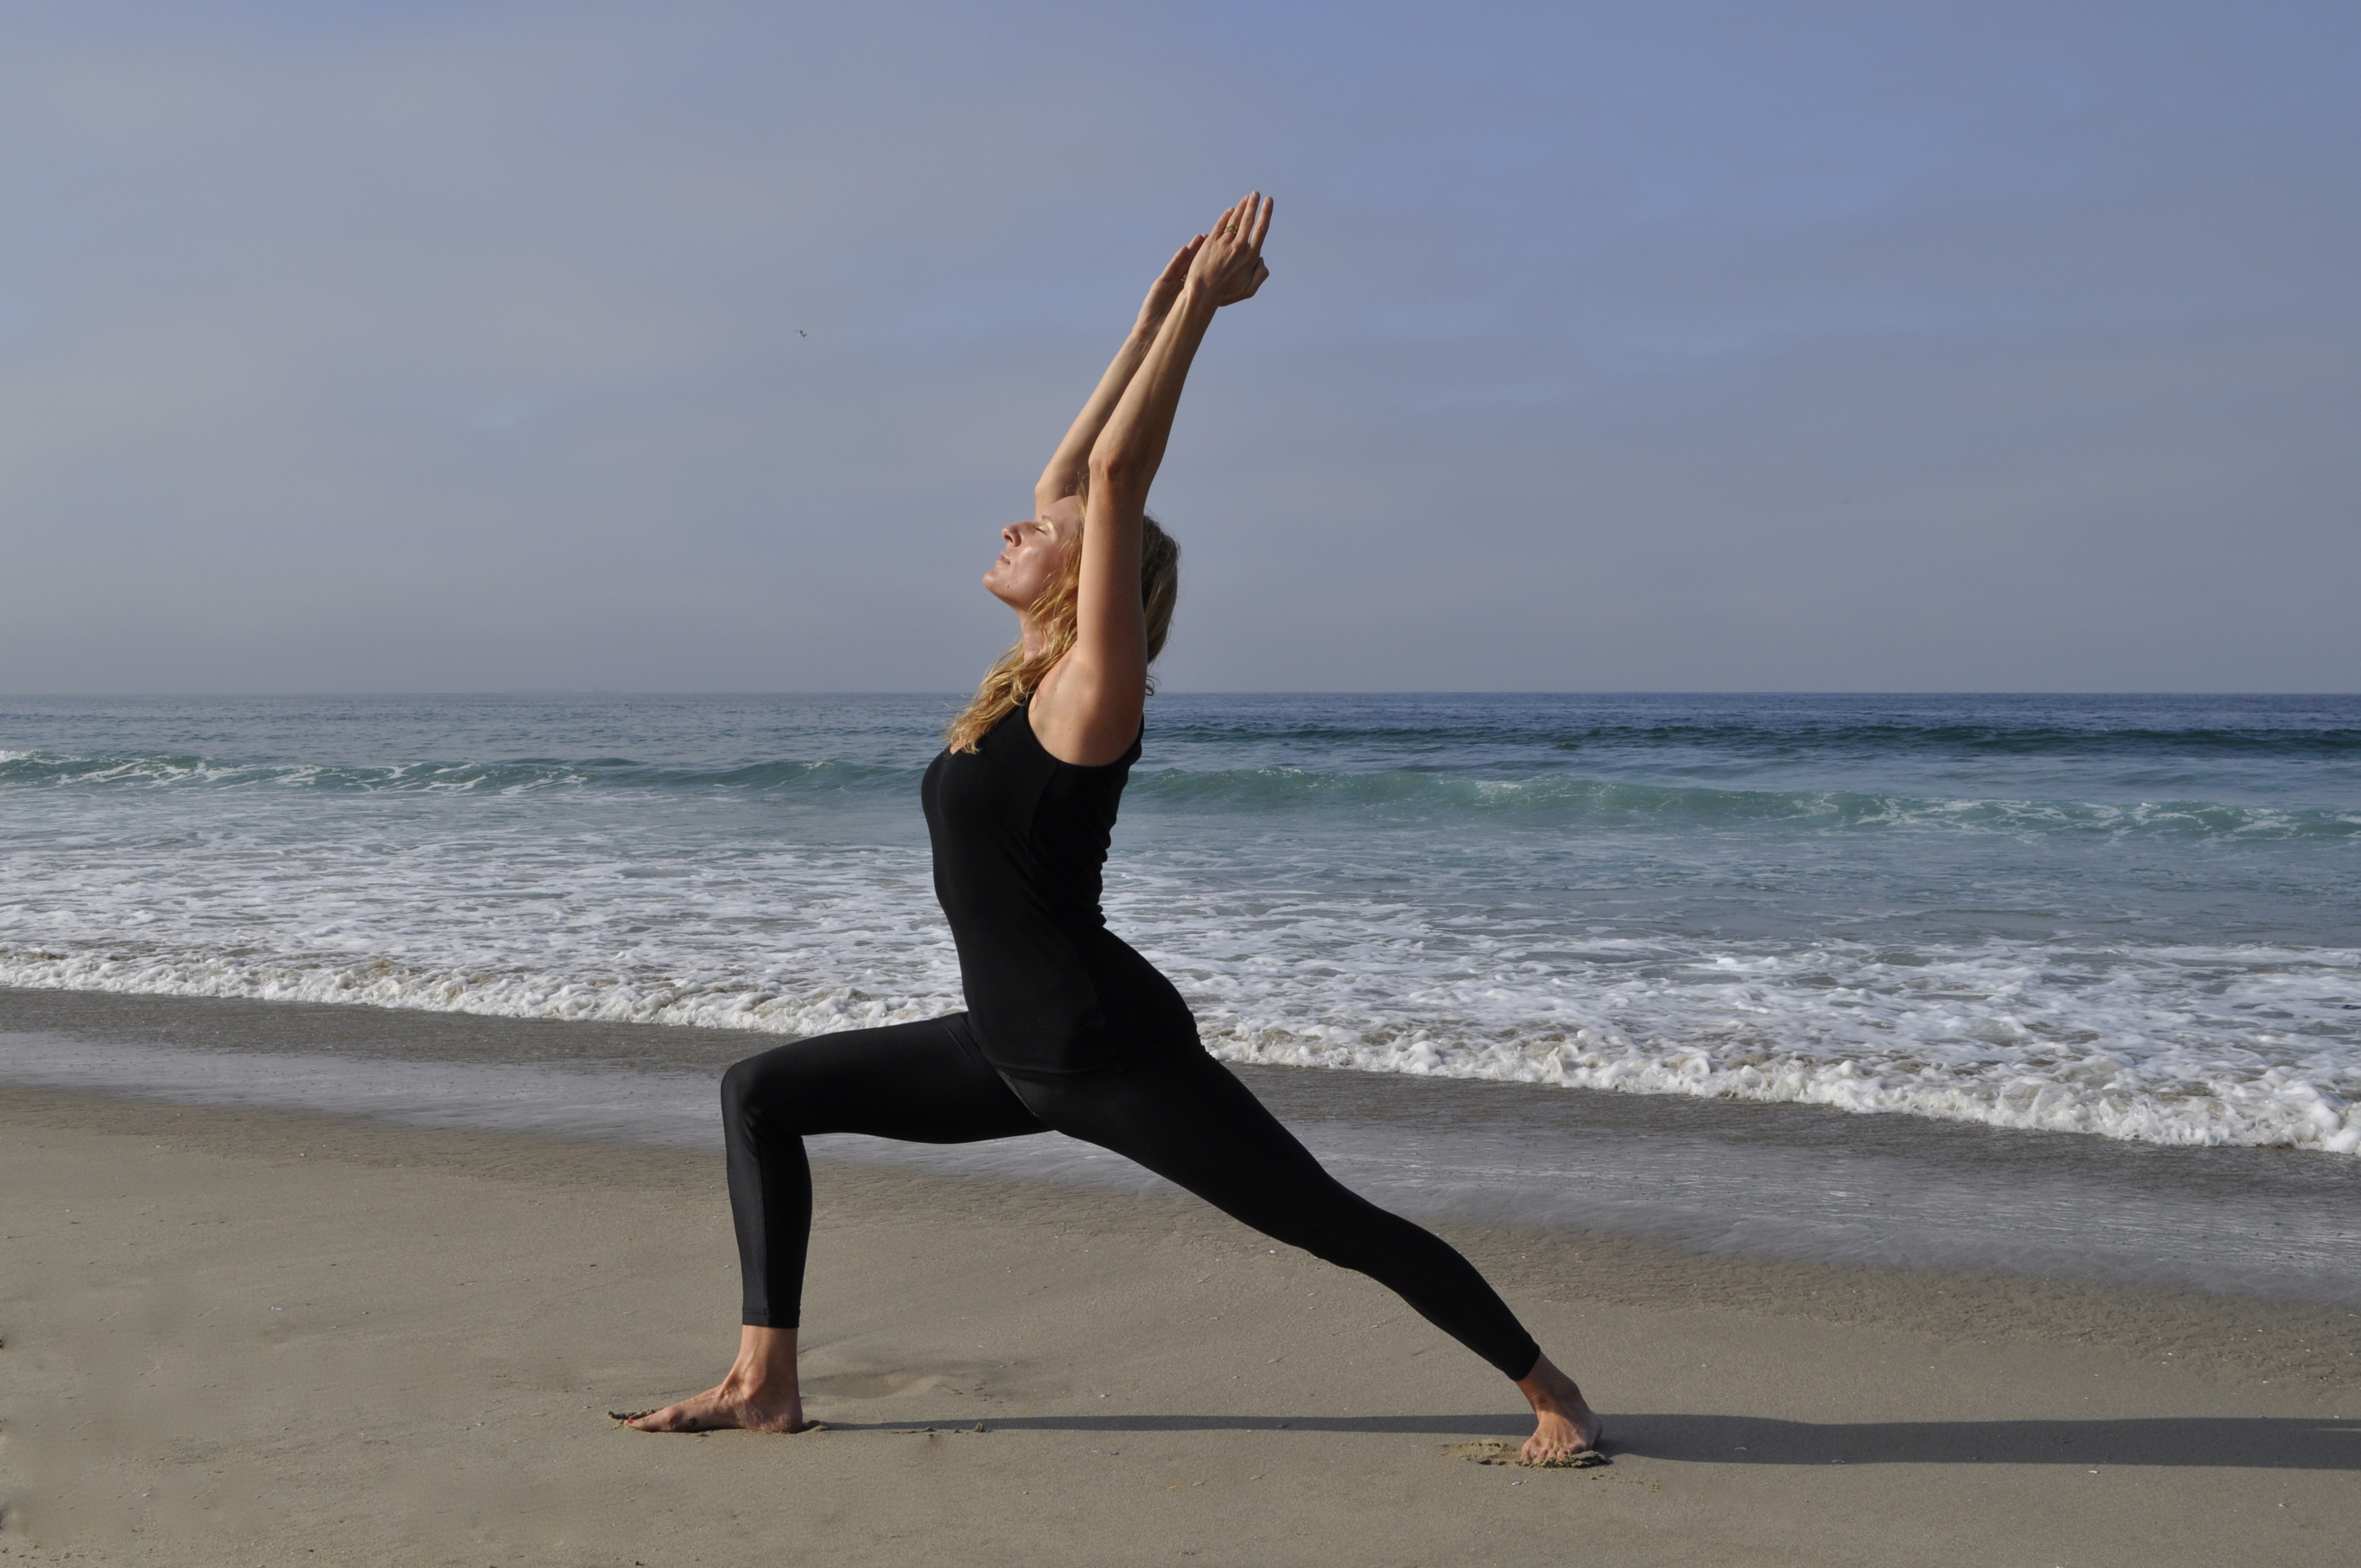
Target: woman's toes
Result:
[689, 1415]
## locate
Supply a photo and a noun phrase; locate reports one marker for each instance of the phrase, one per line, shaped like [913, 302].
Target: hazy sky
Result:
[438, 347]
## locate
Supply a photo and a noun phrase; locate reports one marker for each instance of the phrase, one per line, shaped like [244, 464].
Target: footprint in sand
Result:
[1494, 1451]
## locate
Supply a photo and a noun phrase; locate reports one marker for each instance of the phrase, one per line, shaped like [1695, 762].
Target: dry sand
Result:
[267, 1338]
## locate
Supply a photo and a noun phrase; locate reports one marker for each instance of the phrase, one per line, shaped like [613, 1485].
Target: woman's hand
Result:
[1228, 263]
[1165, 290]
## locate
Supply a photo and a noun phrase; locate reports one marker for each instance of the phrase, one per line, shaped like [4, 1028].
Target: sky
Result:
[706, 347]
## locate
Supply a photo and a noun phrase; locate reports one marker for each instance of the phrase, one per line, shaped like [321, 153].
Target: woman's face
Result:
[1032, 553]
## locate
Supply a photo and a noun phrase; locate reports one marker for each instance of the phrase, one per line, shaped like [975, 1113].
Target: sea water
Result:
[2057, 985]
[2133, 918]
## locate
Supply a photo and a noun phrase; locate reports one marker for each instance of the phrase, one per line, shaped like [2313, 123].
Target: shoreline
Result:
[261, 1334]
[1809, 1184]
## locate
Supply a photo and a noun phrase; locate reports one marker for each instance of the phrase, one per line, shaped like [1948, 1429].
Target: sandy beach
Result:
[276, 1337]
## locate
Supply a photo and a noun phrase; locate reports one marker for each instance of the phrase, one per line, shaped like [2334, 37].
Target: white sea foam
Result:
[2168, 1045]
[1851, 948]
[2184, 1046]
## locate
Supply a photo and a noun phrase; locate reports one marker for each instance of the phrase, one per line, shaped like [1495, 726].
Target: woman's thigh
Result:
[1186, 1117]
[922, 1082]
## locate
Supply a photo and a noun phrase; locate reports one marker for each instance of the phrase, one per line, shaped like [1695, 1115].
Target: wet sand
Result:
[266, 1336]
[1803, 1182]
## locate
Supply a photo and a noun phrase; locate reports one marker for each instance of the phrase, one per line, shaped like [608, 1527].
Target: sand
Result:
[273, 1338]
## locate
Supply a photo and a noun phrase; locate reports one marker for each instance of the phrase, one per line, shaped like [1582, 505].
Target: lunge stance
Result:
[1066, 1028]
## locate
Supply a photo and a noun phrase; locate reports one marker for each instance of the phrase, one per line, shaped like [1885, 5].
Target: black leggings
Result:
[1183, 1116]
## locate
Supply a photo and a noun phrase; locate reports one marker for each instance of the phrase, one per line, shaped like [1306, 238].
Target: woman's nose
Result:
[1009, 535]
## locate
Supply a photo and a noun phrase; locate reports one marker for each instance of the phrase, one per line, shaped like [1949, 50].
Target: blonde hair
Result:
[1012, 679]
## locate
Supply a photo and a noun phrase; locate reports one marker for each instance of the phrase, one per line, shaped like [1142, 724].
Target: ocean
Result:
[2039, 923]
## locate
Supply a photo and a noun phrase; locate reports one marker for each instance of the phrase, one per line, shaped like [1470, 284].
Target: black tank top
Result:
[1020, 840]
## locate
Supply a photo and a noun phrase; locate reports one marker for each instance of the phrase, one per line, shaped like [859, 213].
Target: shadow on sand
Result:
[2241, 1442]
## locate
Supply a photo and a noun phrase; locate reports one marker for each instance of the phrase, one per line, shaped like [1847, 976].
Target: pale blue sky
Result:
[1663, 347]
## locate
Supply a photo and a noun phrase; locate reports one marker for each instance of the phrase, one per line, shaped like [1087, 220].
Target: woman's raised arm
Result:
[1067, 467]
[1088, 708]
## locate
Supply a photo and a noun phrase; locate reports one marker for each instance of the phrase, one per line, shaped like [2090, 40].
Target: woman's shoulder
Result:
[1080, 729]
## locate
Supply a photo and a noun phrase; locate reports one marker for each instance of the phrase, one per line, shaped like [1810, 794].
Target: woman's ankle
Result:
[1545, 1384]
[766, 1361]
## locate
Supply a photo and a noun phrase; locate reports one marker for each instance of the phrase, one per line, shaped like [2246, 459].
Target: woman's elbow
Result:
[1113, 468]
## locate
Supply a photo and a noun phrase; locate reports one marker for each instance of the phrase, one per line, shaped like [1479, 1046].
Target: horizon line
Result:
[250, 695]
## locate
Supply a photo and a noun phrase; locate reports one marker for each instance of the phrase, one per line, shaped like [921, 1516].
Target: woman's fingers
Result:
[1231, 255]
[1245, 225]
[1262, 224]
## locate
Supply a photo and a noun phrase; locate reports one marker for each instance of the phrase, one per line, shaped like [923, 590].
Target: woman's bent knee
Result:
[742, 1088]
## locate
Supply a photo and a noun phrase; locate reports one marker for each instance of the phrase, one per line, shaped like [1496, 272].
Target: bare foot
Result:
[759, 1395]
[1566, 1423]
[723, 1408]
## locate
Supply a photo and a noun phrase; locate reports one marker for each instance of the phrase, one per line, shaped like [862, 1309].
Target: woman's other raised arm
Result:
[1088, 710]
[1067, 467]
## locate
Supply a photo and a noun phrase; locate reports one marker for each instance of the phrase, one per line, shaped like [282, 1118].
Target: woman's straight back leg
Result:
[1186, 1117]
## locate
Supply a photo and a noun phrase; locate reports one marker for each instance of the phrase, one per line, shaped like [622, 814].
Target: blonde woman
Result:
[1067, 1027]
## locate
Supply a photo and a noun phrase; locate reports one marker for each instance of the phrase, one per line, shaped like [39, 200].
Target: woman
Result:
[1067, 1027]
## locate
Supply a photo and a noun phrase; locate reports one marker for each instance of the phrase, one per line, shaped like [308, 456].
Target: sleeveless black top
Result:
[1020, 839]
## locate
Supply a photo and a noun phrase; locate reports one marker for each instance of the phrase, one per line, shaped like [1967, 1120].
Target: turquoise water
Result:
[2136, 917]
